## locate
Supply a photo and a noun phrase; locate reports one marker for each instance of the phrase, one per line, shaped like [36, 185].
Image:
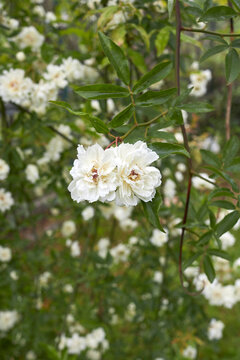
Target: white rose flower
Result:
[68, 228]
[73, 69]
[6, 200]
[94, 175]
[5, 254]
[56, 75]
[15, 87]
[76, 344]
[137, 180]
[4, 169]
[158, 277]
[32, 173]
[29, 37]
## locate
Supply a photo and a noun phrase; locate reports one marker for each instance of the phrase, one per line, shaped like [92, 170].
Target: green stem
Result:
[209, 32]
[133, 102]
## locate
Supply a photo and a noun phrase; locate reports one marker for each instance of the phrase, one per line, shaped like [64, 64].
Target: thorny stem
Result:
[186, 145]
[229, 90]
[209, 32]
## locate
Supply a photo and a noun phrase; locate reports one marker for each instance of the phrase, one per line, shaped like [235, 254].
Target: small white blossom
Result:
[4, 169]
[158, 277]
[20, 56]
[215, 329]
[88, 213]
[8, 319]
[15, 87]
[5, 254]
[6, 200]
[190, 352]
[32, 173]
[68, 228]
[75, 249]
[159, 238]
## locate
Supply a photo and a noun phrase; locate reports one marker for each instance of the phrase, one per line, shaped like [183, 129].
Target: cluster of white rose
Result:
[122, 174]
[21, 90]
[199, 80]
[94, 344]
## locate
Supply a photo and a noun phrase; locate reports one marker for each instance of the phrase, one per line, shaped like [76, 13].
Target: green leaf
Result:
[235, 43]
[223, 204]
[196, 107]
[191, 260]
[66, 106]
[189, 39]
[205, 238]
[220, 192]
[158, 73]
[234, 166]
[208, 268]
[232, 65]
[138, 60]
[152, 98]
[116, 57]
[219, 253]
[230, 150]
[50, 352]
[144, 35]
[210, 158]
[161, 40]
[227, 223]
[98, 124]
[225, 176]
[166, 149]
[151, 209]
[170, 7]
[107, 15]
[213, 51]
[101, 91]
[122, 117]
[237, 4]
[218, 13]
[163, 135]
[216, 38]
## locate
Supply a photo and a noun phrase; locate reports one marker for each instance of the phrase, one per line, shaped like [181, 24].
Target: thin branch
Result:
[229, 91]
[209, 32]
[203, 178]
[186, 145]
[133, 102]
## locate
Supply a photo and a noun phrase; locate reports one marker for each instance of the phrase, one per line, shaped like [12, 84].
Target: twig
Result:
[203, 178]
[186, 145]
[229, 90]
[209, 32]
[133, 102]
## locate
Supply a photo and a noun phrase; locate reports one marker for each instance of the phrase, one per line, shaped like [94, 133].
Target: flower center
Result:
[94, 174]
[134, 176]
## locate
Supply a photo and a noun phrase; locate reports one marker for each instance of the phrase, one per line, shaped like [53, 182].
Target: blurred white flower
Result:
[56, 75]
[14, 275]
[159, 238]
[4, 169]
[120, 253]
[73, 69]
[5, 254]
[94, 175]
[29, 37]
[190, 352]
[227, 240]
[215, 329]
[88, 213]
[169, 189]
[158, 277]
[20, 56]
[68, 228]
[32, 173]
[30, 355]
[15, 87]
[50, 17]
[76, 344]
[103, 245]
[75, 249]
[44, 279]
[8, 319]
[68, 288]
[131, 311]
[94, 355]
[6, 200]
